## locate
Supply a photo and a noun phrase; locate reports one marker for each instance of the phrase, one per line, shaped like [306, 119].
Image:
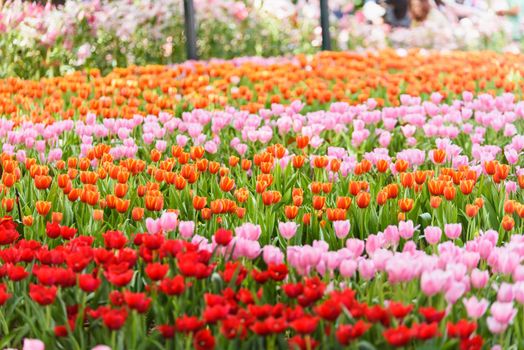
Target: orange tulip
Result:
[245, 164]
[43, 207]
[405, 204]
[298, 200]
[306, 219]
[436, 187]
[509, 207]
[302, 141]
[343, 202]
[363, 199]
[401, 165]
[180, 182]
[137, 213]
[8, 179]
[382, 166]
[471, 210]
[226, 184]
[267, 197]
[319, 202]
[57, 217]
[316, 187]
[449, 192]
[298, 161]
[520, 179]
[291, 211]
[27, 220]
[206, 214]
[420, 177]
[120, 190]
[502, 171]
[122, 205]
[155, 155]
[507, 223]
[479, 202]
[439, 155]
[435, 201]
[196, 152]
[490, 167]
[354, 187]
[42, 182]
[240, 212]
[8, 204]
[392, 191]
[382, 197]
[98, 214]
[199, 203]
[466, 186]
[407, 180]
[334, 165]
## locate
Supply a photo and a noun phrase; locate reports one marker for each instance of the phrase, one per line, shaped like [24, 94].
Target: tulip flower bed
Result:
[251, 84]
[134, 220]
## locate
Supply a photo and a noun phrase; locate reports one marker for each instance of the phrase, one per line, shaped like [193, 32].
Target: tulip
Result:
[153, 226]
[169, 221]
[287, 229]
[43, 207]
[479, 278]
[186, 228]
[342, 228]
[432, 234]
[505, 293]
[98, 214]
[406, 229]
[503, 313]
[348, 268]
[474, 307]
[366, 269]
[33, 344]
[453, 231]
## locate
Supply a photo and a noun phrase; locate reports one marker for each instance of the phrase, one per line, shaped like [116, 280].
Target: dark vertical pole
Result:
[189, 19]
[324, 23]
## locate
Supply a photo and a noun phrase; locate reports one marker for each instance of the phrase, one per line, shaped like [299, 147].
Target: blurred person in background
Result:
[393, 12]
[515, 14]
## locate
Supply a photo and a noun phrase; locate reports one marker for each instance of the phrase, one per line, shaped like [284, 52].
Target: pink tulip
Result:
[186, 228]
[341, 228]
[455, 292]
[474, 307]
[505, 293]
[348, 268]
[101, 347]
[518, 273]
[409, 247]
[373, 243]
[453, 231]
[367, 269]
[494, 326]
[287, 229]
[272, 255]
[169, 221]
[355, 246]
[248, 231]
[432, 234]
[503, 313]
[153, 225]
[392, 235]
[518, 289]
[33, 344]
[432, 282]
[479, 278]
